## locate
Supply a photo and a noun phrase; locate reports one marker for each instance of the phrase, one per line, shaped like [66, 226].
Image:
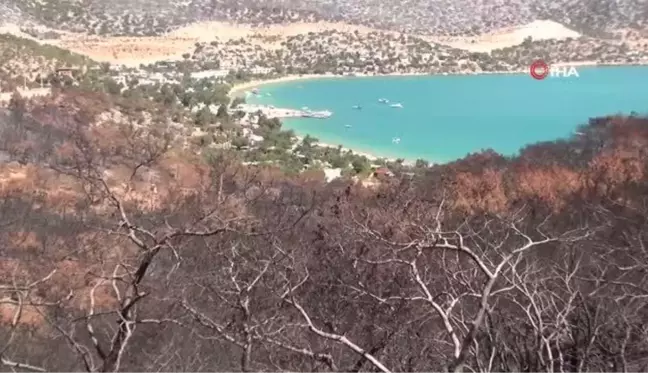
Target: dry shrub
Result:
[480, 191]
[615, 168]
[28, 315]
[551, 185]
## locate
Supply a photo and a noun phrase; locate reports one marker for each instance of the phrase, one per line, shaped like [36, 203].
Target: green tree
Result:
[360, 165]
[271, 124]
[105, 67]
[338, 161]
[308, 141]
[237, 101]
[17, 107]
[188, 99]
[167, 96]
[222, 113]
[112, 86]
[527, 41]
[204, 116]
[238, 115]
[240, 142]
[421, 163]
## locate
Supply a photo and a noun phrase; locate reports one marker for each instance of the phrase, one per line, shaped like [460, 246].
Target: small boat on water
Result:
[397, 105]
[396, 140]
[255, 91]
[348, 126]
[357, 107]
[305, 108]
[383, 100]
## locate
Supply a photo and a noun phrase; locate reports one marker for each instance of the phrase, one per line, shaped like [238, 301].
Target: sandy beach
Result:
[241, 88]
[369, 156]
[238, 89]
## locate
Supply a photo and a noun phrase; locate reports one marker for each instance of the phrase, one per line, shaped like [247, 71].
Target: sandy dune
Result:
[130, 51]
[537, 30]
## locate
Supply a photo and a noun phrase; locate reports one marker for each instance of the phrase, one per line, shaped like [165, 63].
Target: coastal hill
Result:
[428, 17]
[137, 32]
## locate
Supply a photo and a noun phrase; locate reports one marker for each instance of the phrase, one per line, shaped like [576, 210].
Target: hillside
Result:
[23, 61]
[430, 17]
[140, 255]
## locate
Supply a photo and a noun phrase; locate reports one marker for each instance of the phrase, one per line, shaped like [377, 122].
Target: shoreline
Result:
[370, 156]
[242, 87]
[237, 89]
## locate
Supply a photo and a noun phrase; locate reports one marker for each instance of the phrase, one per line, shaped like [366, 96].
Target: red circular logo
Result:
[539, 70]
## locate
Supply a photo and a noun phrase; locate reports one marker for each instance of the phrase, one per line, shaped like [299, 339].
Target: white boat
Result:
[305, 108]
[383, 100]
[397, 105]
[348, 126]
[357, 107]
[396, 140]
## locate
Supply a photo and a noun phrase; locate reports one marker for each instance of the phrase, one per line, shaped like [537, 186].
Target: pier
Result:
[274, 112]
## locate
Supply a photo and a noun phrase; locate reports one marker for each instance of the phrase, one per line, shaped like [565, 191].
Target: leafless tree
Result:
[17, 299]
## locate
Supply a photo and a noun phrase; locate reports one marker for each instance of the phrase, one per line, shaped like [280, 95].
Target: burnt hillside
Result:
[123, 250]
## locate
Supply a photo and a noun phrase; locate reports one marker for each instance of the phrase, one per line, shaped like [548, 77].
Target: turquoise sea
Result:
[446, 117]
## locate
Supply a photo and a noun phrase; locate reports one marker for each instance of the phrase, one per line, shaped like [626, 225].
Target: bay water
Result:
[444, 118]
